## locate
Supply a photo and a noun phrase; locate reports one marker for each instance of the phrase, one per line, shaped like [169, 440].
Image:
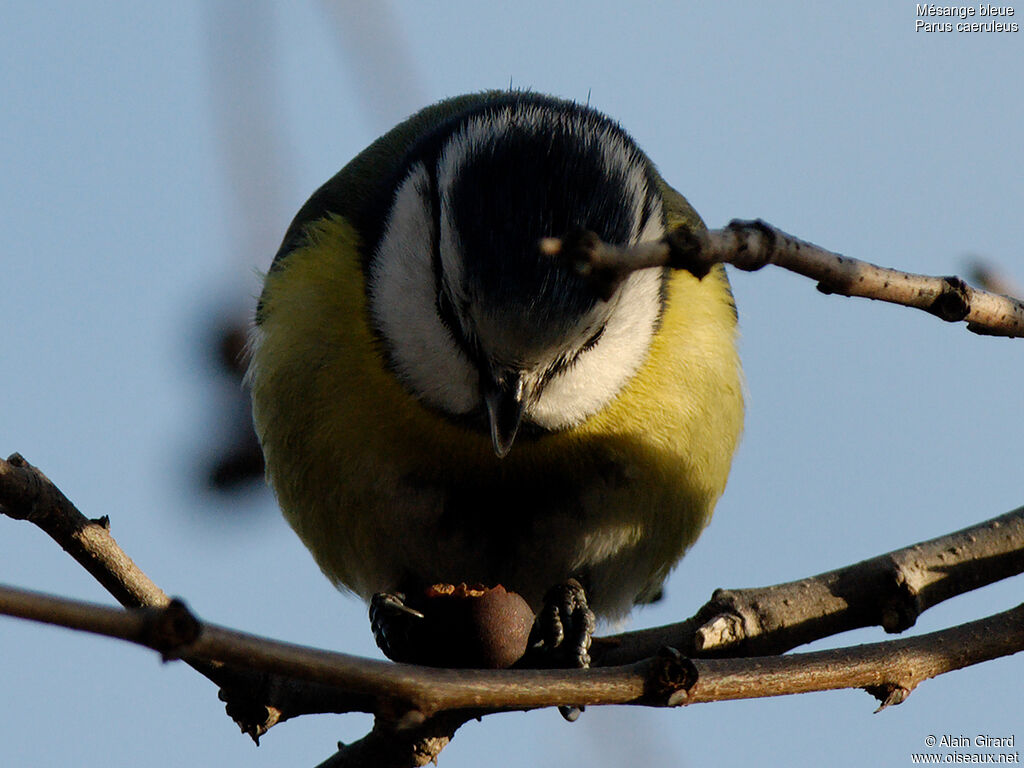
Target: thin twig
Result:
[28, 494]
[388, 746]
[888, 670]
[750, 245]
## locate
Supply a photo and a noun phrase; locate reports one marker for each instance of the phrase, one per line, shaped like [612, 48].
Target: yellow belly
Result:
[382, 489]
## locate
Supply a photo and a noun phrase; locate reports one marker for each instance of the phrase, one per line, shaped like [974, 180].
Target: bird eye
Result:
[562, 362]
[592, 341]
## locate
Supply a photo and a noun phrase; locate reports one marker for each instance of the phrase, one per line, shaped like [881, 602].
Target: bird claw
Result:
[563, 631]
[393, 623]
[565, 626]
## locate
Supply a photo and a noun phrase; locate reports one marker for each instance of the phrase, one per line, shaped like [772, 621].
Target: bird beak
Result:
[505, 399]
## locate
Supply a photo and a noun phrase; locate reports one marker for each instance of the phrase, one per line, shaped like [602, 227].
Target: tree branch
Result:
[254, 702]
[418, 708]
[889, 590]
[388, 746]
[27, 494]
[750, 245]
[409, 695]
[888, 670]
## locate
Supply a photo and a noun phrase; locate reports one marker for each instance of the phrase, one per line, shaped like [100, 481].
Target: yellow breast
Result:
[381, 488]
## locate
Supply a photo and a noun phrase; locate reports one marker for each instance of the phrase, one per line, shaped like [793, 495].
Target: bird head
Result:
[475, 319]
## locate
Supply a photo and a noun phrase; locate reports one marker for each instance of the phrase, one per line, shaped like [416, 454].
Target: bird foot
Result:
[394, 625]
[564, 627]
[562, 633]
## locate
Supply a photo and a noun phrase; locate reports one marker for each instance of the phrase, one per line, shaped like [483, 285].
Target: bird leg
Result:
[562, 633]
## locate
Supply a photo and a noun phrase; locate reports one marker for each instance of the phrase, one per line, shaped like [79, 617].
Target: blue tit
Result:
[438, 401]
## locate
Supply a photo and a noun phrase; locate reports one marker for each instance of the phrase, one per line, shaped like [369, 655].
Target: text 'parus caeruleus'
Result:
[438, 401]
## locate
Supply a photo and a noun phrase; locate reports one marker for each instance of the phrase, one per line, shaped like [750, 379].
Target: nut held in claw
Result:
[475, 626]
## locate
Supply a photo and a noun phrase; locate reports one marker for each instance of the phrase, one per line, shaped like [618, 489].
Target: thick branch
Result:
[409, 695]
[890, 591]
[750, 245]
[372, 685]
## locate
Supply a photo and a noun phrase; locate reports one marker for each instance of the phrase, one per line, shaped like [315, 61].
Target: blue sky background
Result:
[151, 158]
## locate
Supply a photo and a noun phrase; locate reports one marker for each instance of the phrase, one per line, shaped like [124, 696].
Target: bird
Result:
[440, 401]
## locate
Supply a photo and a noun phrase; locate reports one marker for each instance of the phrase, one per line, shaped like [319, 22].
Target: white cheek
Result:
[602, 371]
[403, 304]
